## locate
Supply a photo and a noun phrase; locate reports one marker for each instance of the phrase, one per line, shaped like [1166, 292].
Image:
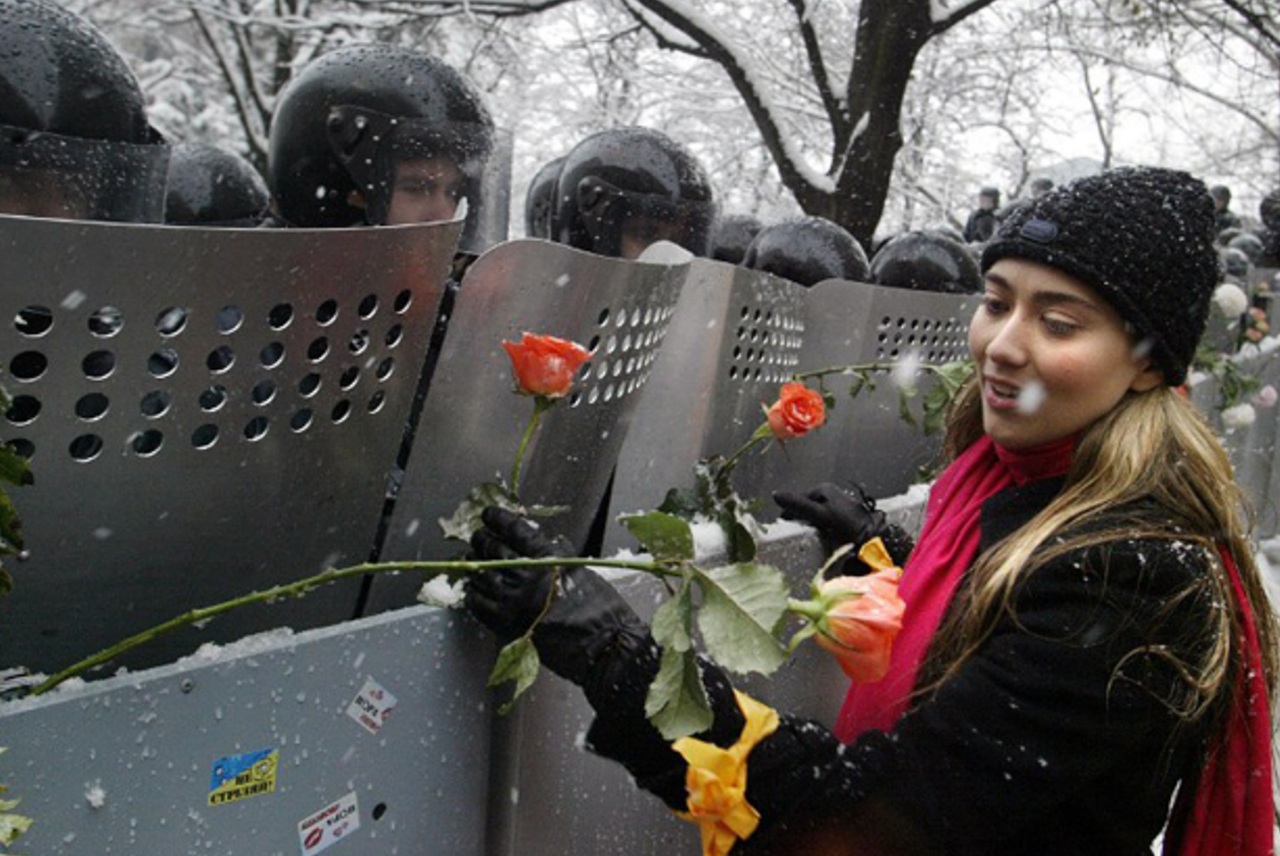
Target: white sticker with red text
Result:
[372, 706]
[328, 826]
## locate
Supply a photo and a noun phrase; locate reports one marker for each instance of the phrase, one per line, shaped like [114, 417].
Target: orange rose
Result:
[862, 622]
[545, 365]
[797, 411]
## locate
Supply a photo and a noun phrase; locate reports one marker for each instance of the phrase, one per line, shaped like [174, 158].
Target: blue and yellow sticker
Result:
[238, 777]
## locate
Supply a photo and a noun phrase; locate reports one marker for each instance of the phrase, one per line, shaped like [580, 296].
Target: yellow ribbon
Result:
[717, 780]
[876, 556]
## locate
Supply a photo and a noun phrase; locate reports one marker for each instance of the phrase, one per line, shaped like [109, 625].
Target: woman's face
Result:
[1053, 356]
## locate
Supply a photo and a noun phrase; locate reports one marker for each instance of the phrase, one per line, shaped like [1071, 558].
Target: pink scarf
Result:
[947, 546]
[1230, 810]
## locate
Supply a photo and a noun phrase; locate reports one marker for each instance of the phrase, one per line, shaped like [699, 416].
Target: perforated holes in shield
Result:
[932, 340]
[623, 348]
[766, 347]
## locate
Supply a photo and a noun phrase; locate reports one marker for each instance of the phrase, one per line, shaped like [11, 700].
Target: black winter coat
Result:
[1055, 737]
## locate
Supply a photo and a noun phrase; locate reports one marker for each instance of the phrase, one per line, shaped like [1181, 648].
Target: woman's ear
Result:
[1147, 379]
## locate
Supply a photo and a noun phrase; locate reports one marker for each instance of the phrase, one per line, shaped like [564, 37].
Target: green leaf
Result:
[681, 503]
[742, 607]
[740, 541]
[517, 662]
[465, 520]
[677, 703]
[950, 378]
[665, 536]
[673, 622]
[14, 468]
[904, 406]
[10, 526]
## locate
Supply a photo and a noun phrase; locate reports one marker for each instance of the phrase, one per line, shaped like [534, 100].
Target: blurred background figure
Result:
[807, 250]
[1249, 244]
[926, 260]
[377, 135]
[731, 235]
[540, 200]
[621, 190]
[74, 137]
[1224, 217]
[1269, 214]
[1236, 266]
[212, 186]
[1039, 187]
[982, 221]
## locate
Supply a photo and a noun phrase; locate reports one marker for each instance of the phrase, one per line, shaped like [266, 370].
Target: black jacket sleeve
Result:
[1056, 737]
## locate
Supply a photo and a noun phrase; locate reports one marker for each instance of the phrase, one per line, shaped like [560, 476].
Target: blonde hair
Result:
[1153, 445]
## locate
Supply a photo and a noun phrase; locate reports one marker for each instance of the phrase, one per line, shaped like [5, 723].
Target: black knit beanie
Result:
[1142, 237]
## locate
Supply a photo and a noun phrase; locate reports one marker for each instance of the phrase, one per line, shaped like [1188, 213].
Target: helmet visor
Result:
[622, 223]
[49, 175]
[421, 167]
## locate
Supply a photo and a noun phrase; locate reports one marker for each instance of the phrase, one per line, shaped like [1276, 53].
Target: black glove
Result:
[844, 516]
[585, 618]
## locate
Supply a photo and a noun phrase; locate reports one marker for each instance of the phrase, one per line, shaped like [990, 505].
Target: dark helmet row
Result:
[381, 135]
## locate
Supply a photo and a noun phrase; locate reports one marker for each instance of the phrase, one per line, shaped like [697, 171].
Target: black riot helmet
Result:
[212, 186]
[350, 118]
[731, 235]
[1248, 243]
[539, 200]
[1235, 262]
[622, 189]
[807, 250]
[74, 137]
[926, 260]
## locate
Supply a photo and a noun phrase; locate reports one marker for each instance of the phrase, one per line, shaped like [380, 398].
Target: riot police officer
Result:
[74, 137]
[621, 190]
[926, 260]
[213, 186]
[807, 250]
[378, 135]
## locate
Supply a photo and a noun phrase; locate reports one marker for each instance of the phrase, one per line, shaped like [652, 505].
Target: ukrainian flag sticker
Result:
[238, 777]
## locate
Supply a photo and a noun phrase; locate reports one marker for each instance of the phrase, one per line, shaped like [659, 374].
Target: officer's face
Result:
[425, 190]
[639, 232]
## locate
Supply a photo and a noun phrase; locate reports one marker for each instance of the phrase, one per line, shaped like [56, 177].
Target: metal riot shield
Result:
[207, 413]
[866, 439]
[738, 335]
[735, 338]
[471, 424]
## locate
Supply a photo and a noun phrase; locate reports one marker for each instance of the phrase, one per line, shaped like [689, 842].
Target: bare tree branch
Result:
[817, 65]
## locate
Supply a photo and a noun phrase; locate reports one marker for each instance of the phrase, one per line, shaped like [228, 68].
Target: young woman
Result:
[1086, 634]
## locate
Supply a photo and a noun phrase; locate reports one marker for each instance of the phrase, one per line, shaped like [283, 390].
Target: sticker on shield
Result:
[372, 706]
[238, 777]
[330, 825]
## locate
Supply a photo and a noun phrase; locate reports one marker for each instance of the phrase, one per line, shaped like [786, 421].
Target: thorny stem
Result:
[662, 570]
[541, 404]
[856, 368]
[762, 433]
